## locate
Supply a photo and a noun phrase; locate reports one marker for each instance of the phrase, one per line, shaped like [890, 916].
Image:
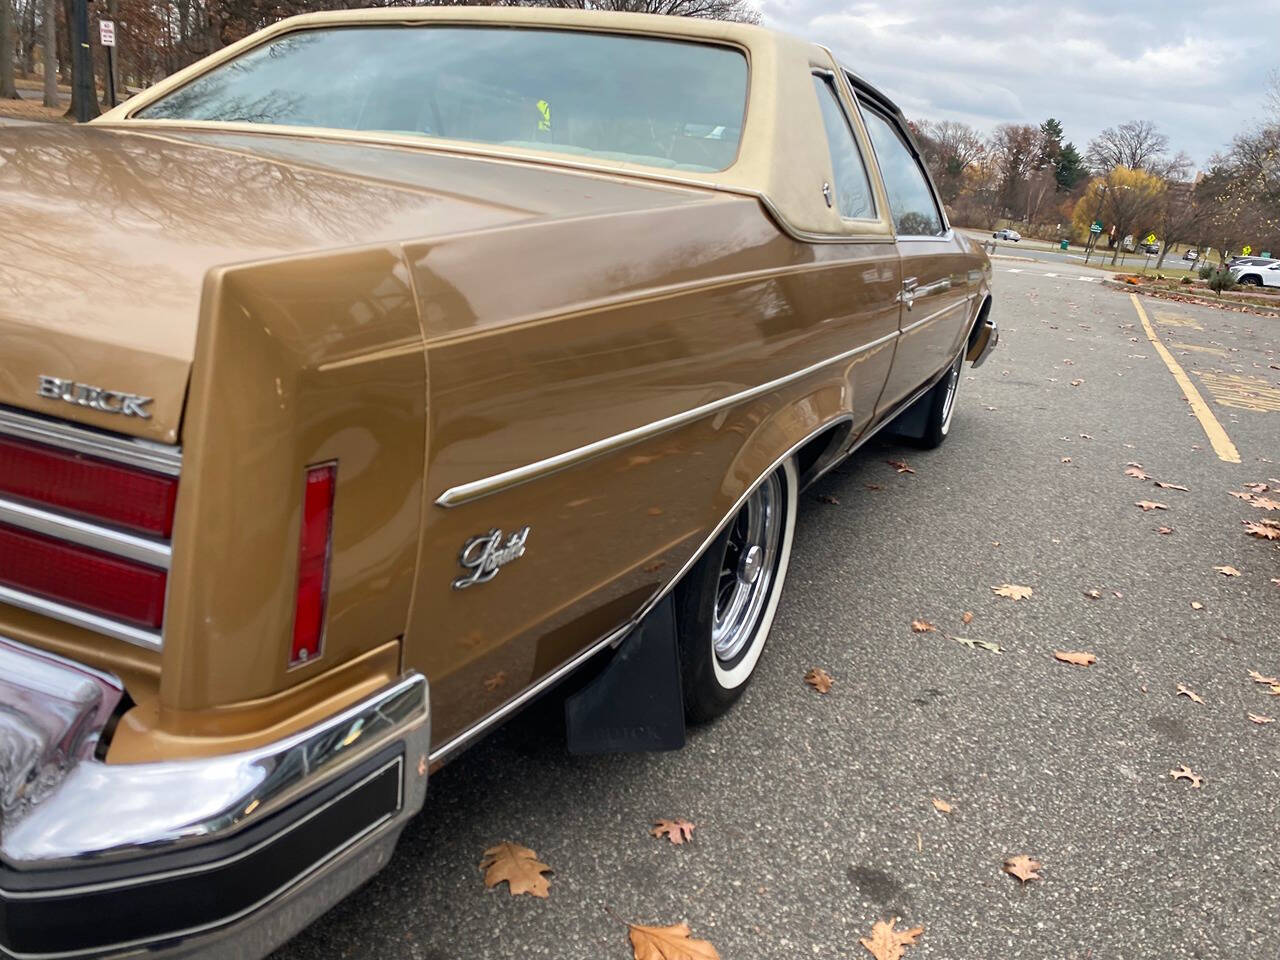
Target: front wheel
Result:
[1251, 281]
[726, 603]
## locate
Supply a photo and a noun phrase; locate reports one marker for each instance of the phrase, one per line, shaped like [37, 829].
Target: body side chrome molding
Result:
[615, 636]
[116, 542]
[937, 313]
[150, 639]
[474, 490]
[143, 454]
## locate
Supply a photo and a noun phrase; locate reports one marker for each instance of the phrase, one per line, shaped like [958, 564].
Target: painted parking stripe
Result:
[1218, 439]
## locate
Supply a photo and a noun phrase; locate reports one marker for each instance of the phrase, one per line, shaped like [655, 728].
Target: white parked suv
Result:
[1258, 274]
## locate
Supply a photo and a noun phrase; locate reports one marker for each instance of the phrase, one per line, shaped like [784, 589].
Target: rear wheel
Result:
[1251, 280]
[930, 416]
[726, 602]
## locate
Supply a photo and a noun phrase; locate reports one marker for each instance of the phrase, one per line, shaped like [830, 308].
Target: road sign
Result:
[1095, 228]
[1266, 253]
[1151, 238]
[107, 32]
[1246, 250]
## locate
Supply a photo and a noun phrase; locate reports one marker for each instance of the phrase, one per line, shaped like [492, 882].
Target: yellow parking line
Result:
[1222, 445]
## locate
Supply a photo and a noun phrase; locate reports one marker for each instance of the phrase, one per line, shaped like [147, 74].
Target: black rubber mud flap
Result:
[636, 705]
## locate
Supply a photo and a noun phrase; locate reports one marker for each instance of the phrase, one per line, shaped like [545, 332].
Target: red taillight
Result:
[98, 489]
[94, 581]
[313, 563]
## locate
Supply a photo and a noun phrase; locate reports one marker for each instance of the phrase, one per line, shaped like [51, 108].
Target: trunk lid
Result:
[107, 235]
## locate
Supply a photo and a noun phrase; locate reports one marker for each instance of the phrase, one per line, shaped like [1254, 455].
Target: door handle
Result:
[908, 294]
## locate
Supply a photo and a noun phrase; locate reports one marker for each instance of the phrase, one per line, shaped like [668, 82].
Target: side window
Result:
[852, 188]
[911, 200]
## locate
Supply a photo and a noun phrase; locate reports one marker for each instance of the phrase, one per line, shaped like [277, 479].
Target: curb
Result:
[1192, 298]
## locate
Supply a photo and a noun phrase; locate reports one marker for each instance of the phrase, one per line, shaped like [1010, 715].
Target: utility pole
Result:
[1102, 191]
[84, 95]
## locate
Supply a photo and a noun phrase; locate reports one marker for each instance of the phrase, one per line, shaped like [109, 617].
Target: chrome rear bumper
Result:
[215, 856]
[985, 337]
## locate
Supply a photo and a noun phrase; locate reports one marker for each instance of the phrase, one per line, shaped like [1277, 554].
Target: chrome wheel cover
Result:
[949, 401]
[747, 570]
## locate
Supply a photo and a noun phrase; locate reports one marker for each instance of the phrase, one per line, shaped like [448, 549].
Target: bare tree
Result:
[1016, 150]
[1135, 144]
[49, 43]
[950, 150]
[7, 89]
[1180, 217]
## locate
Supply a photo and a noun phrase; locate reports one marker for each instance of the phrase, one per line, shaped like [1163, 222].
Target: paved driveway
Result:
[814, 814]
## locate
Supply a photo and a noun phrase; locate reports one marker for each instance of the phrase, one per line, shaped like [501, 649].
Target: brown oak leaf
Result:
[886, 943]
[966, 617]
[1185, 691]
[923, 626]
[1012, 590]
[1256, 677]
[1078, 658]
[941, 805]
[1022, 867]
[819, 679]
[1265, 503]
[1147, 505]
[1256, 487]
[1135, 470]
[1184, 773]
[900, 466]
[1246, 497]
[1266, 530]
[677, 831]
[1171, 486]
[517, 865]
[1164, 531]
[669, 943]
[1260, 720]
[1228, 571]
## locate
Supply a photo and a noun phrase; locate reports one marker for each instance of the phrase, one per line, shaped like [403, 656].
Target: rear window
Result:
[664, 103]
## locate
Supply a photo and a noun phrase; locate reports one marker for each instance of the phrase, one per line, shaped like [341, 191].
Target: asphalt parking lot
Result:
[815, 814]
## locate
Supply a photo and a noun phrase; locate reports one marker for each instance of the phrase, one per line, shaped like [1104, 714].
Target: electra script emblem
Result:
[95, 398]
[484, 555]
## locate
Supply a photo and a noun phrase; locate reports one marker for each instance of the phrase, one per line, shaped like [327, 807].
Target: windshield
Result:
[664, 103]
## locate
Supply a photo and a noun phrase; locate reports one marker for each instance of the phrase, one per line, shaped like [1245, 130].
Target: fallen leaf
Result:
[922, 626]
[677, 831]
[819, 679]
[1012, 590]
[873, 486]
[975, 644]
[1078, 658]
[518, 866]
[1184, 691]
[669, 943]
[828, 498]
[1022, 867]
[1184, 773]
[886, 943]
[1263, 531]
[1256, 677]
[1066, 459]
[1093, 594]
[498, 680]
[1085, 436]
[1197, 605]
[1170, 486]
[1276, 581]
[941, 805]
[1117, 594]
[1150, 505]
[1135, 470]
[1228, 571]
[1265, 503]
[967, 617]
[1256, 487]
[1246, 497]
[1076, 383]
[1260, 720]
[900, 466]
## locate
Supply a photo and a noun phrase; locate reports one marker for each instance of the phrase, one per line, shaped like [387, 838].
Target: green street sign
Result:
[1266, 253]
[1095, 228]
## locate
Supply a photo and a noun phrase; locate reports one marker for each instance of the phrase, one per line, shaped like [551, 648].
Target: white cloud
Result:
[1092, 64]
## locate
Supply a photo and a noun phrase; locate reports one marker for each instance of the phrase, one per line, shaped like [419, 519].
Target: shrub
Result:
[1205, 271]
[1221, 280]
[1185, 280]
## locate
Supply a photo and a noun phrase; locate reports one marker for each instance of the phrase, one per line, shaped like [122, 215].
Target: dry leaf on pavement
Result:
[1164, 531]
[1246, 497]
[819, 679]
[677, 831]
[1076, 382]
[1150, 505]
[941, 805]
[1093, 594]
[967, 617]
[1256, 677]
[1228, 571]
[923, 626]
[669, 943]
[1012, 590]
[1184, 773]
[900, 466]
[518, 866]
[1022, 867]
[1259, 719]
[1170, 486]
[1265, 530]
[976, 644]
[1135, 470]
[1257, 487]
[1066, 460]
[886, 943]
[1197, 605]
[1185, 691]
[1265, 503]
[1078, 658]
[828, 498]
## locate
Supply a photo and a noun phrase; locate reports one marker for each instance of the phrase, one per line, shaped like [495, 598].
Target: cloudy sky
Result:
[1195, 69]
